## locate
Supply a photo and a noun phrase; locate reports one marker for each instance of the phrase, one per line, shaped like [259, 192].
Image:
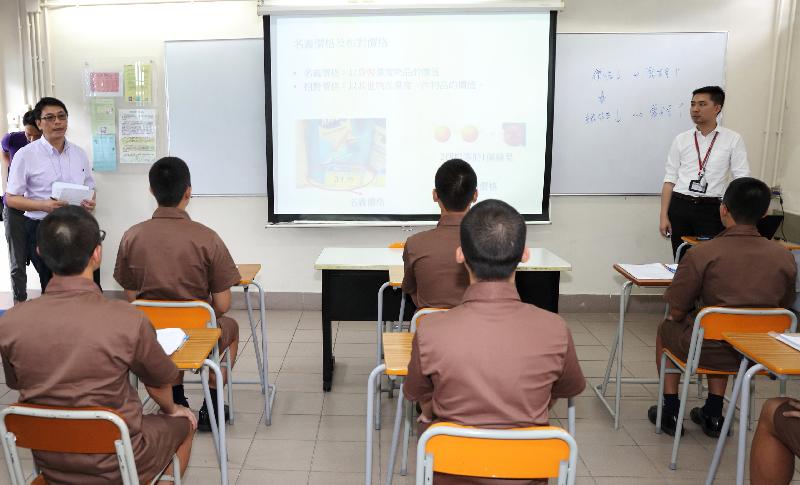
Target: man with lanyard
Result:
[13, 219]
[37, 166]
[697, 171]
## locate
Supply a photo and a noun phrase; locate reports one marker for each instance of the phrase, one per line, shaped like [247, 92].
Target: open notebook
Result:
[171, 339]
[651, 271]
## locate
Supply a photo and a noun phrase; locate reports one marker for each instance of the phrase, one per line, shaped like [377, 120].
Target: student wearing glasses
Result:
[52, 158]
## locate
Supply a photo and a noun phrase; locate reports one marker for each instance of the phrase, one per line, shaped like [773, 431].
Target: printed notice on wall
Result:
[137, 135]
[138, 83]
[104, 83]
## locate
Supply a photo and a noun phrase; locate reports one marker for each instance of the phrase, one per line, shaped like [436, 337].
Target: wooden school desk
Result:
[193, 356]
[351, 277]
[617, 347]
[767, 353]
[247, 273]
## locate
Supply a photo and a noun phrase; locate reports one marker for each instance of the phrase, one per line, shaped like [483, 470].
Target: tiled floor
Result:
[318, 438]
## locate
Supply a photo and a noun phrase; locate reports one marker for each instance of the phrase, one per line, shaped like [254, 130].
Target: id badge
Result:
[698, 186]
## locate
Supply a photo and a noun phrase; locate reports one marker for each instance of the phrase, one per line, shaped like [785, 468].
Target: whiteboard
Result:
[215, 112]
[620, 100]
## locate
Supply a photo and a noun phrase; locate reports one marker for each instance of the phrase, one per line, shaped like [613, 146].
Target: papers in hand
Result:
[171, 339]
[73, 194]
[790, 339]
[652, 271]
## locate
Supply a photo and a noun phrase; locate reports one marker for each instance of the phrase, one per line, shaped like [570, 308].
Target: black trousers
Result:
[692, 218]
[17, 239]
[45, 275]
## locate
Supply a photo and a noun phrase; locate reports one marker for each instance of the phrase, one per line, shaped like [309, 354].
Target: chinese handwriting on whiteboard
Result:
[606, 113]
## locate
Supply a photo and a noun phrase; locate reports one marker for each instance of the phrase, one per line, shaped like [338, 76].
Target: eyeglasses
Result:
[52, 118]
[102, 235]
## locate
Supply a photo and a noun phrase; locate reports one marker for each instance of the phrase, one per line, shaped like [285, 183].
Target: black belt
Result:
[697, 200]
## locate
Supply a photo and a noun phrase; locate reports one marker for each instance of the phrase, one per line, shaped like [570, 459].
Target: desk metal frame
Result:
[267, 389]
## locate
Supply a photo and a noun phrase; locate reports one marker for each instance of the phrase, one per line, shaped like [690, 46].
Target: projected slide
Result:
[366, 108]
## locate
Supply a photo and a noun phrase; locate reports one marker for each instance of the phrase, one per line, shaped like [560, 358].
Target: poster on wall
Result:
[137, 135]
[138, 83]
[104, 83]
[104, 129]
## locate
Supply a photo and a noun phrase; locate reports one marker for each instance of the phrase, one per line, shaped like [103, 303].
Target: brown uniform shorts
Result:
[230, 332]
[153, 448]
[714, 355]
[787, 429]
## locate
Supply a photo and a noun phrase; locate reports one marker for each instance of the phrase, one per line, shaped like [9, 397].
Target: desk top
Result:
[397, 352]
[383, 258]
[195, 350]
[248, 272]
[638, 282]
[693, 240]
[767, 351]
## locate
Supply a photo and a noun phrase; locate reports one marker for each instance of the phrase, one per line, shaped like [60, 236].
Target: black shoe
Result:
[712, 425]
[669, 422]
[204, 421]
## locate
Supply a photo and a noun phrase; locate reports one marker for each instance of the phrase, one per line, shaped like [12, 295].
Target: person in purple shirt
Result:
[52, 158]
[14, 219]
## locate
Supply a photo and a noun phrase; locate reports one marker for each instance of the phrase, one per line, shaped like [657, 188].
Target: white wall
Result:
[590, 232]
[790, 152]
[12, 100]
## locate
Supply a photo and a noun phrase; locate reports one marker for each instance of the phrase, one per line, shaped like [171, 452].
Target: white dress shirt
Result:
[38, 164]
[727, 161]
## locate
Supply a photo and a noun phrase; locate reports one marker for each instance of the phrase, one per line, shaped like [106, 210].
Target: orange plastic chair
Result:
[710, 324]
[188, 314]
[69, 430]
[519, 453]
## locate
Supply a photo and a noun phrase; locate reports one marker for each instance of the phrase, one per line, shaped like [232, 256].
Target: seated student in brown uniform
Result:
[171, 257]
[432, 276]
[776, 442]
[492, 361]
[738, 268]
[106, 340]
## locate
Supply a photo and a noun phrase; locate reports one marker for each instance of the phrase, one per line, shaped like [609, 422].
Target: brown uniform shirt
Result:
[72, 347]
[738, 268]
[432, 276]
[171, 257]
[492, 362]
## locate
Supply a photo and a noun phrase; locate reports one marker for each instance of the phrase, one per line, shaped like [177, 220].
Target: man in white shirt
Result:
[700, 164]
[37, 166]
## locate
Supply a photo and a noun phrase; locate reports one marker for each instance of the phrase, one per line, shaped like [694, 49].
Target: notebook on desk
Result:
[651, 271]
[790, 339]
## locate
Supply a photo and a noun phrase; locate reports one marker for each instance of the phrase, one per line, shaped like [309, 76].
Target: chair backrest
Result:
[717, 320]
[65, 430]
[178, 314]
[419, 314]
[397, 245]
[538, 452]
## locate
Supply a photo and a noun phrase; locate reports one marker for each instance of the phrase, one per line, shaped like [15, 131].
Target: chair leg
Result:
[402, 309]
[673, 464]
[406, 436]
[660, 400]
[395, 437]
[379, 352]
[727, 424]
[752, 403]
[229, 361]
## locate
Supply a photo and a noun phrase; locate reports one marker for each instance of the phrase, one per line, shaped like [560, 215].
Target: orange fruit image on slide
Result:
[469, 133]
[441, 134]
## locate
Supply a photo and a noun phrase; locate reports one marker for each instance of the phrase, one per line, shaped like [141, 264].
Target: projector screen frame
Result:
[336, 220]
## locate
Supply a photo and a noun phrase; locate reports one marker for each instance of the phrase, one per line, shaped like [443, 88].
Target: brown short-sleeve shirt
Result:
[738, 268]
[432, 276]
[492, 362]
[171, 257]
[72, 347]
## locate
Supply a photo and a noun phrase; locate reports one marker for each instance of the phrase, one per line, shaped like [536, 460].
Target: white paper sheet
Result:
[651, 271]
[790, 339]
[171, 339]
[71, 193]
